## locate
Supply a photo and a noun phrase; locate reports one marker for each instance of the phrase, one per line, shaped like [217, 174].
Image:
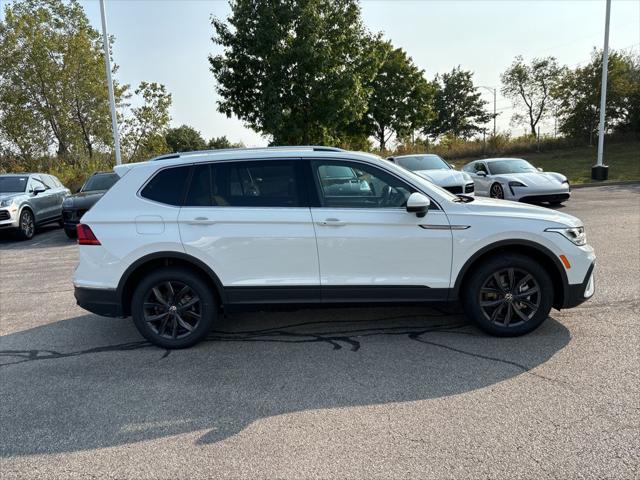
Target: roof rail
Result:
[315, 148]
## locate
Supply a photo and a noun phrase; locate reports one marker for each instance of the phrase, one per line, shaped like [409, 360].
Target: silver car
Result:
[28, 200]
[516, 179]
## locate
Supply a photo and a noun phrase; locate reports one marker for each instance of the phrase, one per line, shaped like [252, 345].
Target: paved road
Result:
[352, 393]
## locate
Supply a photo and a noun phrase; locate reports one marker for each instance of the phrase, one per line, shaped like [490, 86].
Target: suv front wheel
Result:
[173, 308]
[508, 295]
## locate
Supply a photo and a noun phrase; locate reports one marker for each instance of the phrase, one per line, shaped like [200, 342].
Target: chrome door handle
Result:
[200, 221]
[332, 222]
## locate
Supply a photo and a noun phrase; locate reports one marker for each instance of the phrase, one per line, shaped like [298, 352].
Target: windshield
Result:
[422, 181]
[512, 165]
[13, 184]
[102, 181]
[422, 162]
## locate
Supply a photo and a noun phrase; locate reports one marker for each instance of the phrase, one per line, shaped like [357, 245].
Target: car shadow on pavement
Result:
[90, 382]
[46, 236]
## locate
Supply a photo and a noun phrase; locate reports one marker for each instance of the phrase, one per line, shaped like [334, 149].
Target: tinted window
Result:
[514, 165]
[479, 167]
[36, 182]
[167, 186]
[13, 184]
[48, 181]
[422, 162]
[245, 184]
[365, 187]
[100, 181]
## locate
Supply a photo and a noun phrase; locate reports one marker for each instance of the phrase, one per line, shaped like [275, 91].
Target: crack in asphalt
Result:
[337, 339]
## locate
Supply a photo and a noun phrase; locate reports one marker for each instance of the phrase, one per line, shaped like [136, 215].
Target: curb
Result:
[604, 184]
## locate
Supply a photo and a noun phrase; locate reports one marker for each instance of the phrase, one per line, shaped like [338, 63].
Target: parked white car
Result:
[177, 239]
[516, 179]
[436, 170]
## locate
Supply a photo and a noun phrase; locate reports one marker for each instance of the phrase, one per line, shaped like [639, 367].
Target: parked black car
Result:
[75, 206]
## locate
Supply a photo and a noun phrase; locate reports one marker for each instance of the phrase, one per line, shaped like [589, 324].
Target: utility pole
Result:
[112, 101]
[493, 91]
[600, 171]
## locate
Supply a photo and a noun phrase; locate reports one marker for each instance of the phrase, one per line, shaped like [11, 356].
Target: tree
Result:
[217, 143]
[530, 87]
[401, 98]
[144, 131]
[578, 96]
[52, 87]
[184, 139]
[459, 108]
[293, 70]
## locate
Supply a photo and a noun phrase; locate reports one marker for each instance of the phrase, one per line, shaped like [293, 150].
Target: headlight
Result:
[6, 203]
[576, 235]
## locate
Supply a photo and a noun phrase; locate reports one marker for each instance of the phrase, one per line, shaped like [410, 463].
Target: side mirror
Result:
[39, 189]
[481, 173]
[418, 203]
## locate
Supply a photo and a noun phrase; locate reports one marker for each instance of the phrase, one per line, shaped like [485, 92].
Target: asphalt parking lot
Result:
[342, 393]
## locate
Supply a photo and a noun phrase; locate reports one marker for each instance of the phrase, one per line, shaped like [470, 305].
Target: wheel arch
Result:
[143, 265]
[543, 255]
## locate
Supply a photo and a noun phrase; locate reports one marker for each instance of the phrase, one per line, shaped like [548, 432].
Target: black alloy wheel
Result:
[510, 297]
[508, 294]
[173, 308]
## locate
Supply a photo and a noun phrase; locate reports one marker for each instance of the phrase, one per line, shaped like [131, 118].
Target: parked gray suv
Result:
[28, 200]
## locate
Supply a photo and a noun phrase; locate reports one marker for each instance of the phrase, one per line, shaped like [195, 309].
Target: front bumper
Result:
[553, 197]
[8, 217]
[103, 302]
[575, 294]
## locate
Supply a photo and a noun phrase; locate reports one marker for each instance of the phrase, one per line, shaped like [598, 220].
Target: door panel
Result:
[381, 247]
[253, 246]
[378, 243]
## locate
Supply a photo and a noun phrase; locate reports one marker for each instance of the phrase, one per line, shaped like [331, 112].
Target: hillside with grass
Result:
[575, 162]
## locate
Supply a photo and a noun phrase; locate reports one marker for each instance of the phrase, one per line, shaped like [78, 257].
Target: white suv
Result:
[181, 237]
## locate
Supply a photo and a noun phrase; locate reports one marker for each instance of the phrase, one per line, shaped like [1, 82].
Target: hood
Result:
[535, 179]
[8, 195]
[84, 200]
[506, 208]
[445, 178]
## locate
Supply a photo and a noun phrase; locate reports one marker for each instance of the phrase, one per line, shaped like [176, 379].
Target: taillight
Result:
[85, 235]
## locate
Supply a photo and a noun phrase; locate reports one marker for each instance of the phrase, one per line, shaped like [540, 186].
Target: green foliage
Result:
[401, 98]
[459, 110]
[52, 88]
[184, 139]
[294, 70]
[578, 96]
[530, 88]
[217, 143]
[143, 133]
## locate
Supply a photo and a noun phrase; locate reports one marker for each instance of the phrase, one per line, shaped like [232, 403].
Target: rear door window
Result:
[271, 183]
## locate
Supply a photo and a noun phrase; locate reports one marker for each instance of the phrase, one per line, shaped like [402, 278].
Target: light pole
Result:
[600, 171]
[112, 101]
[493, 91]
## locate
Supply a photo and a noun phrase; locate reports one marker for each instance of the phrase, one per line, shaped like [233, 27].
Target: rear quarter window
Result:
[167, 186]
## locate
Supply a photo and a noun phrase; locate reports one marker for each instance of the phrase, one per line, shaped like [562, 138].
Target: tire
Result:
[496, 191]
[172, 308]
[26, 225]
[73, 234]
[488, 303]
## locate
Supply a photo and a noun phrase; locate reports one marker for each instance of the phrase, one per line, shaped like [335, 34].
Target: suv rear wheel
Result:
[509, 295]
[173, 308]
